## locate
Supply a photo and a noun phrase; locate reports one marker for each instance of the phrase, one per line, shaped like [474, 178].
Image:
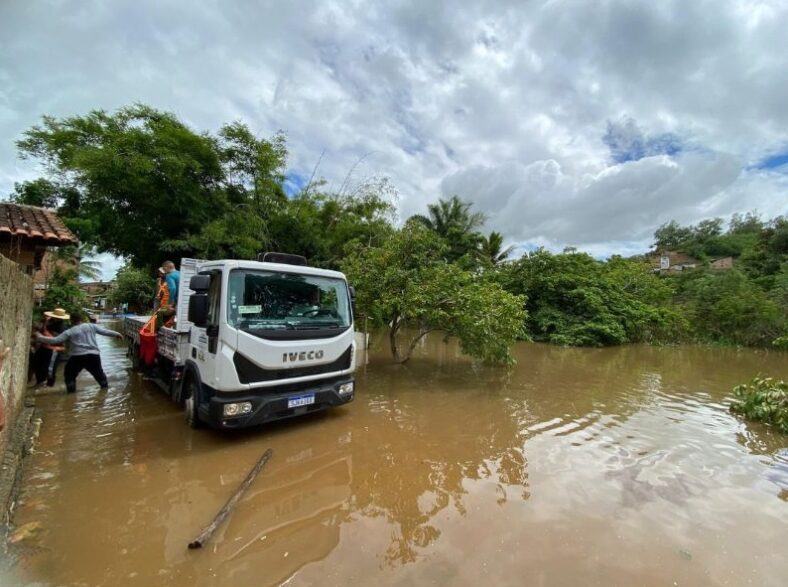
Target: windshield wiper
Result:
[264, 327]
[311, 325]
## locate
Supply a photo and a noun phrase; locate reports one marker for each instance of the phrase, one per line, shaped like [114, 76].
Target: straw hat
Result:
[58, 313]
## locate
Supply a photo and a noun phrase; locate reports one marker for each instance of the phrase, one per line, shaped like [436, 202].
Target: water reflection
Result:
[418, 465]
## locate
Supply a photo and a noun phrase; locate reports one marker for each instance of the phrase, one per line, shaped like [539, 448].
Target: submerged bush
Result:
[763, 399]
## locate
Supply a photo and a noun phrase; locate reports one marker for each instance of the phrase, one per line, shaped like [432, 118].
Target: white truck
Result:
[254, 341]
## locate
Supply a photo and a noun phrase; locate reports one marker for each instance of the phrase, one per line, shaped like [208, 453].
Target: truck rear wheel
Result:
[191, 402]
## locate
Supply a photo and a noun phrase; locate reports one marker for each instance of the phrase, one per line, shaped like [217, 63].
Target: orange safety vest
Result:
[45, 331]
[148, 342]
[163, 295]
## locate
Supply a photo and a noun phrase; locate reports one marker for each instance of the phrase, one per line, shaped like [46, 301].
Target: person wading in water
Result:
[47, 357]
[84, 351]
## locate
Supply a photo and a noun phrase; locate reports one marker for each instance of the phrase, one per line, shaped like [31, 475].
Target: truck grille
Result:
[248, 372]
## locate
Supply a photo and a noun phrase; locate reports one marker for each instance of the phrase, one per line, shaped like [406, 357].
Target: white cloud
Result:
[109, 265]
[504, 103]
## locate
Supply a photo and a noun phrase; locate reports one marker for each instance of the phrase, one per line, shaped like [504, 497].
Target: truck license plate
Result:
[301, 400]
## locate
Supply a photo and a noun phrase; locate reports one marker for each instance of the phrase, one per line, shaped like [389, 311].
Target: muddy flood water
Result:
[614, 466]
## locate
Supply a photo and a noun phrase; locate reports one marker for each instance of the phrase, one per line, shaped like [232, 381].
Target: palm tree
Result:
[454, 222]
[451, 216]
[86, 268]
[491, 248]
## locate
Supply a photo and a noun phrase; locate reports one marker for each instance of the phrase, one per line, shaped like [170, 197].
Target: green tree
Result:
[38, 192]
[406, 284]
[727, 307]
[749, 223]
[63, 291]
[765, 259]
[79, 256]
[134, 287]
[321, 226]
[491, 249]
[253, 167]
[239, 233]
[707, 240]
[139, 181]
[574, 299]
[671, 236]
[454, 222]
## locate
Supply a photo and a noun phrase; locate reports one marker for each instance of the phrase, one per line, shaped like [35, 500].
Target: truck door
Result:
[206, 341]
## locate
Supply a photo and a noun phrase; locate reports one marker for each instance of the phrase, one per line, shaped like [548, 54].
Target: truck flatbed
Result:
[172, 344]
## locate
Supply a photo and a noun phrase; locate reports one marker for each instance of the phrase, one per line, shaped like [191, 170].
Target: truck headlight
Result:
[237, 409]
[346, 388]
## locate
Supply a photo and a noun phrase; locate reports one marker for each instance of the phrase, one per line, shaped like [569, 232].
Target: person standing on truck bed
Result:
[168, 295]
[84, 351]
[172, 277]
[162, 293]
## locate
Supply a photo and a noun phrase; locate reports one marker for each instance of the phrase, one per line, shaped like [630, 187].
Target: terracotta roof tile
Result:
[35, 223]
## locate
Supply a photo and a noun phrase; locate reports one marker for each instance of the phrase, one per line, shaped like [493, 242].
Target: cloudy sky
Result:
[567, 122]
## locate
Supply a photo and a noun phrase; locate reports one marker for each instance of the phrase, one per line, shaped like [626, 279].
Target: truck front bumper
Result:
[274, 403]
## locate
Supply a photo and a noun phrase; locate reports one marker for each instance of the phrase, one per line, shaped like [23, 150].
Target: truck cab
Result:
[258, 341]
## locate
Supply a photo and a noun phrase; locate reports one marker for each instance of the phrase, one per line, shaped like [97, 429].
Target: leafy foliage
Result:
[767, 258]
[321, 226]
[747, 305]
[138, 181]
[491, 249]
[39, 192]
[726, 307]
[86, 268]
[64, 292]
[142, 185]
[764, 399]
[574, 299]
[406, 282]
[453, 221]
[707, 240]
[134, 287]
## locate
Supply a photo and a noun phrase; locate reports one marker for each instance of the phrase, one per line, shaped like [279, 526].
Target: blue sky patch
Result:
[627, 142]
[294, 183]
[774, 161]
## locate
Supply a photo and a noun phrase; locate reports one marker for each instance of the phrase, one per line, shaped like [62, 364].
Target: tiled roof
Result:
[34, 223]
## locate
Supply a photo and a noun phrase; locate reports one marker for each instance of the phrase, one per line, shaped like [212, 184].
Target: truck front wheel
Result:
[190, 397]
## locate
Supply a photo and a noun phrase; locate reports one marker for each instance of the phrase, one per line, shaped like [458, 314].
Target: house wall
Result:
[724, 263]
[19, 251]
[16, 309]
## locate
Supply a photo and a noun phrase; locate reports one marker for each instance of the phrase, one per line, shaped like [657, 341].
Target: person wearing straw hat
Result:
[84, 351]
[48, 356]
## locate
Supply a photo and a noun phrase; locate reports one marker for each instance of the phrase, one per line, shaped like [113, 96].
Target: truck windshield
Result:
[265, 300]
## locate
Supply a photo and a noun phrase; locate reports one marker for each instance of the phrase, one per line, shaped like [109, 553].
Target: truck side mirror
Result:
[200, 283]
[198, 308]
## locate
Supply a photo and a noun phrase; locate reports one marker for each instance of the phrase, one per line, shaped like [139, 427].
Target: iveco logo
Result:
[302, 356]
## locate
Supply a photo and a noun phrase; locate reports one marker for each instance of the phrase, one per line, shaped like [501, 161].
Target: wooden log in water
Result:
[206, 534]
